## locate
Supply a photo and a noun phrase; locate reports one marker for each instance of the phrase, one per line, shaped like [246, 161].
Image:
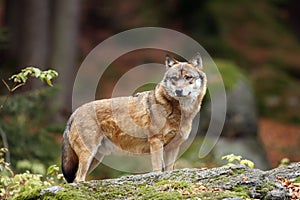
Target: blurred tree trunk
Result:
[295, 16]
[45, 33]
[12, 16]
[34, 32]
[64, 49]
[29, 22]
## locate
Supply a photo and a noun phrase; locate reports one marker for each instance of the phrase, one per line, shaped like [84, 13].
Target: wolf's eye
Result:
[174, 78]
[188, 78]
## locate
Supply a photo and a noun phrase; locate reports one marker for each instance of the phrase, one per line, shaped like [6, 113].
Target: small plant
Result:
[4, 166]
[284, 162]
[235, 160]
[21, 78]
[12, 184]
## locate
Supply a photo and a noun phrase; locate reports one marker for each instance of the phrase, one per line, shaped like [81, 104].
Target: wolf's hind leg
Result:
[85, 160]
[95, 162]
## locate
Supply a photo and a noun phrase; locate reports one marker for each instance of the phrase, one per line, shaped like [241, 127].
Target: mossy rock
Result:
[230, 72]
[217, 183]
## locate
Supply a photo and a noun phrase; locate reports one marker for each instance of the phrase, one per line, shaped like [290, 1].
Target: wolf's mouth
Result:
[182, 95]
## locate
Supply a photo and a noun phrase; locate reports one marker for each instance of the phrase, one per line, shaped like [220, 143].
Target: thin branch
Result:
[7, 86]
[10, 91]
[16, 87]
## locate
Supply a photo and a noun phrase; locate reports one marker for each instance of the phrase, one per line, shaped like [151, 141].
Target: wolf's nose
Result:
[178, 92]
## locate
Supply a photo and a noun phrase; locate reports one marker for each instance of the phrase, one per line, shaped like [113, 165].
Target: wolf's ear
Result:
[196, 61]
[170, 61]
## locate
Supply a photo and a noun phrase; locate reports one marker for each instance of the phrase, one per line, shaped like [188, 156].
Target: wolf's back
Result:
[69, 158]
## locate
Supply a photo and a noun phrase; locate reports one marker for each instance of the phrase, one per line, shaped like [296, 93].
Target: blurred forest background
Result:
[256, 46]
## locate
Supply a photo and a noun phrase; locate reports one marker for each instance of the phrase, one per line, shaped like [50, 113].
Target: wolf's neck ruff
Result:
[188, 104]
[180, 103]
[162, 97]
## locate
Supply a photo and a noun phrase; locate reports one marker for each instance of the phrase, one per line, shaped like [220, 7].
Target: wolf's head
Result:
[184, 79]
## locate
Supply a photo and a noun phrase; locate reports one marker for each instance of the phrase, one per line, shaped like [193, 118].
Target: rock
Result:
[241, 117]
[51, 190]
[241, 114]
[276, 195]
[229, 183]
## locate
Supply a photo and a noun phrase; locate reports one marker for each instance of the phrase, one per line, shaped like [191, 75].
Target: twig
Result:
[7, 86]
[10, 91]
[16, 87]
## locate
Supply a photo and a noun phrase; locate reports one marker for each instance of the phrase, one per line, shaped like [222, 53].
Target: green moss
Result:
[242, 190]
[167, 189]
[105, 191]
[163, 189]
[297, 180]
[265, 187]
[67, 193]
[154, 189]
[221, 195]
[238, 171]
[32, 194]
[64, 195]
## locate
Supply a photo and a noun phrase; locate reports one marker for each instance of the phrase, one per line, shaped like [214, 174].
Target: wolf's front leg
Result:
[157, 154]
[170, 158]
[172, 150]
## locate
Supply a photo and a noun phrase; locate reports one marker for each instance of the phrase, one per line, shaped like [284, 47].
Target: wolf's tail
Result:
[69, 157]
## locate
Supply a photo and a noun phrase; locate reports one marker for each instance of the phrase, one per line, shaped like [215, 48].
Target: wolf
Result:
[153, 122]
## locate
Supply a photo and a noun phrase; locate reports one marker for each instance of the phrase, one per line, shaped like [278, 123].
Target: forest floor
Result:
[280, 140]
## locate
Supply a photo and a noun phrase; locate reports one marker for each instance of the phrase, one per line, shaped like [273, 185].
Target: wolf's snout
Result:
[178, 92]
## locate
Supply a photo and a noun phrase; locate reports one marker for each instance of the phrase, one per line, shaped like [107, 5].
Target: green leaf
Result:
[26, 72]
[37, 72]
[53, 73]
[14, 78]
[52, 170]
[4, 150]
[23, 78]
[49, 82]
[247, 163]
[231, 158]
